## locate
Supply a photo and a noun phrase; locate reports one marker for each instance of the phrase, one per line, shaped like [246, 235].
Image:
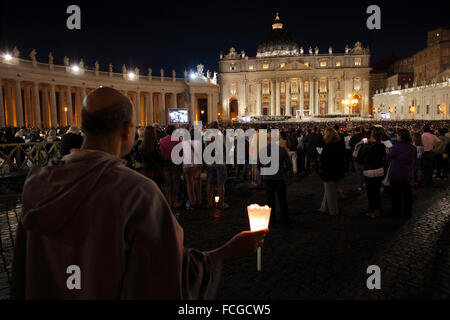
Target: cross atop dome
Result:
[277, 24]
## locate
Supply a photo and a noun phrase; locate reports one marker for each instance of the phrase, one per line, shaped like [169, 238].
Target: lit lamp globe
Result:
[75, 69]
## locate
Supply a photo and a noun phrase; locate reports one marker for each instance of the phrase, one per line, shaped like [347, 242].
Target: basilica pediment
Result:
[295, 65]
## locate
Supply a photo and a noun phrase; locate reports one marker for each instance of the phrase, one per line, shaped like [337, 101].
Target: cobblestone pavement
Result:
[318, 256]
[323, 257]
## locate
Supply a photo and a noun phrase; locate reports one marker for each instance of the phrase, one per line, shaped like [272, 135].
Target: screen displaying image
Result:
[178, 116]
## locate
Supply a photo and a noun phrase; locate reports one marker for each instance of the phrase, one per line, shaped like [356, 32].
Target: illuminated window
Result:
[338, 63]
[250, 67]
[282, 65]
[283, 87]
[306, 86]
[323, 63]
[307, 64]
[357, 61]
[265, 66]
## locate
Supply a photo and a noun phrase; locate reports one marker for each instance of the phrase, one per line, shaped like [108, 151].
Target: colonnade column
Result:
[69, 106]
[45, 115]
[288, 110]
[138, 108]
[53, 114]
[150, 108]
[28, 106]
[9, 104]
[78, 103]
[311, 97]
[302, 98]
[2, 108]
[36, 105]
[162, 110]
[258, 98]
[62, 121]
[277, 98]
[19, 107]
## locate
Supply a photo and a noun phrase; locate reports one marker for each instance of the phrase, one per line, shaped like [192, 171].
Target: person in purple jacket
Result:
[403, 158]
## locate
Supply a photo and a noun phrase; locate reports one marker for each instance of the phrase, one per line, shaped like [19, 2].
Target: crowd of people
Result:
[89, 209]
[391, 154]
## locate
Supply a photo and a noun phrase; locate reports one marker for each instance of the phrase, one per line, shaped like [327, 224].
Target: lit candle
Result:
[216, 199]
[259, 218]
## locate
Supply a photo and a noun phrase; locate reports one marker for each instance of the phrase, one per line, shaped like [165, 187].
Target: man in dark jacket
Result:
[275, 185]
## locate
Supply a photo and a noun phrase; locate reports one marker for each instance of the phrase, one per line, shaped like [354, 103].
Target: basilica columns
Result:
[277, 98]
[331, 108]
[302, 98]
[288, 110]
[36, 105]
[316, 96]
[258, 98]
[272, 110]
[311, 97]
[2, 107]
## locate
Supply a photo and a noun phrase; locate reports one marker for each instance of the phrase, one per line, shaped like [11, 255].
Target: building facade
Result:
[285, 80]
[46, 95]
[428, 102]
[434, 59]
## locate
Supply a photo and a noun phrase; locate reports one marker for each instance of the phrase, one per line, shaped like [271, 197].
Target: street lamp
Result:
[350, 102]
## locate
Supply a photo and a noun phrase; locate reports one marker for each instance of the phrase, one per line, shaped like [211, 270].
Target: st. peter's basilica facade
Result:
[287, 80]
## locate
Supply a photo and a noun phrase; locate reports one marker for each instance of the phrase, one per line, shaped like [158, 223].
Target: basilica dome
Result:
[278, 42]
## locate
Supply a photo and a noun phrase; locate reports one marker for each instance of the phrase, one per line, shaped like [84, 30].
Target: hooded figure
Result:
[91, 228]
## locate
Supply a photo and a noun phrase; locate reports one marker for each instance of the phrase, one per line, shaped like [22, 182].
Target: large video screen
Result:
[178, 116]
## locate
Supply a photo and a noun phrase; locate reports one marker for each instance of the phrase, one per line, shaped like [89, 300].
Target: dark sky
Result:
[179, 35]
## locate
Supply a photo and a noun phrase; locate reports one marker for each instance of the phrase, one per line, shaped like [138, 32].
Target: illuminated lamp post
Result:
[350, 102]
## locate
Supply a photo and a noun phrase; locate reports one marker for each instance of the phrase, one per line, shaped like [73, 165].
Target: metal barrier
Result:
[10, 209]
[22, 156]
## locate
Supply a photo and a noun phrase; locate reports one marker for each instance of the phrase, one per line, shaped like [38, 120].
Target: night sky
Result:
[180, 35]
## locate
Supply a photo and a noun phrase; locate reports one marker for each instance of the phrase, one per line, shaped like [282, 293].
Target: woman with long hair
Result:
[152, 157]
[331, 170]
